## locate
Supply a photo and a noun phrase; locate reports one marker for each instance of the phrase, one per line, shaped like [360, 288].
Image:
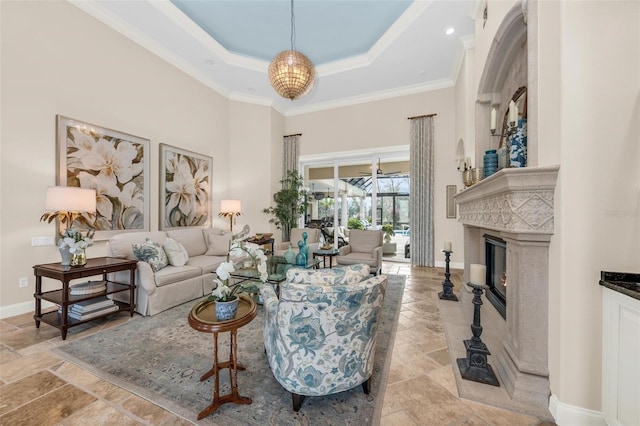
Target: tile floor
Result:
[38, 388]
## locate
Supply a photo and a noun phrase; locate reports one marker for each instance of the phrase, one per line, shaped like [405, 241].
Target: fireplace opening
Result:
[496, 261]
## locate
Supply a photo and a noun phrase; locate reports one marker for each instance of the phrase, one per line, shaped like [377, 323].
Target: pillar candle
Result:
[447, 246]
[477, 274]
[493, 118]
[512, 112]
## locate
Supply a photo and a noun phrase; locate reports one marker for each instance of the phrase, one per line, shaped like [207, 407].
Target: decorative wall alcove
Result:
[517, 206]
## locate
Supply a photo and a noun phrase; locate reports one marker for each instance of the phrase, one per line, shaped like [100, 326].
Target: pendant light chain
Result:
[293, 28]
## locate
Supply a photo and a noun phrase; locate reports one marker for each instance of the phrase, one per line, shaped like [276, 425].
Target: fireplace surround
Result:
[516, 206]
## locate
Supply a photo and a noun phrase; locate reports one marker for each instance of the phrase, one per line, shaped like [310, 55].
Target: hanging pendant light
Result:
[291, 73]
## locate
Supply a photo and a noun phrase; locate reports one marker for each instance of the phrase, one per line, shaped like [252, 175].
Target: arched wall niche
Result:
[508, 49]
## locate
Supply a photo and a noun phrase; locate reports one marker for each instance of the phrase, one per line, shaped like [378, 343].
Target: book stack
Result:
[88, 309]
[89, 287]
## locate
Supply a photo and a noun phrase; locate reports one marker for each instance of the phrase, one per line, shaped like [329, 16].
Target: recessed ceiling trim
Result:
[119, 25]
[375, 96]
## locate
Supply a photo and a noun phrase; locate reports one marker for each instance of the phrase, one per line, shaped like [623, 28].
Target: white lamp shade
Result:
[70, 199]
[230, 206]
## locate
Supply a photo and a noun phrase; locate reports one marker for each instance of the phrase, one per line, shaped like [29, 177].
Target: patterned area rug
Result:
[161, 359]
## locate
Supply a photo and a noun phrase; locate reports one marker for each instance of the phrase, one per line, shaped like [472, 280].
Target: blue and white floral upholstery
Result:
[320, 336]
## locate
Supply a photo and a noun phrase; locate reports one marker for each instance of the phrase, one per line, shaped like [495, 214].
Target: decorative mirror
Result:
[520, 99]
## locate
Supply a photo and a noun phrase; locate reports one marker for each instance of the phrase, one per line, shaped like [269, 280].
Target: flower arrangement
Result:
[74, 240]
[225, 292]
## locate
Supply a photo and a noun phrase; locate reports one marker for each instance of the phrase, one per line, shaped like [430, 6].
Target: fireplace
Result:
[496, 261]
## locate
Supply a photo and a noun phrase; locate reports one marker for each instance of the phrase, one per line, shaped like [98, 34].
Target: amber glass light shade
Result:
[291, 74]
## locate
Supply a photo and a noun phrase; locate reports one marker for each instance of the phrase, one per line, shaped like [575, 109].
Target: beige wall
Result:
[383, 124]
[598, 191]
[58, 60]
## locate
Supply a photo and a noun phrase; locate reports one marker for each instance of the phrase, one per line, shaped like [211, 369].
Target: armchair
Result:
[313, 240]
[330, 315]
[364, 247]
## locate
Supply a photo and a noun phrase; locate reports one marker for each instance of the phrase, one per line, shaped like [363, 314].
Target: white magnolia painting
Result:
[185, 188]
[115, 165]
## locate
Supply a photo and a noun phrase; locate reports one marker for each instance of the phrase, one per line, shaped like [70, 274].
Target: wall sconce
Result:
[512, 123]
[460, 155]
[230, 209]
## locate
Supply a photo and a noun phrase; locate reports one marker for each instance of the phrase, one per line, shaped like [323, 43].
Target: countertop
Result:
[622, 282]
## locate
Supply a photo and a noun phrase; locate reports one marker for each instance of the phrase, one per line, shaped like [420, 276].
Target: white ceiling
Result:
[362, 49]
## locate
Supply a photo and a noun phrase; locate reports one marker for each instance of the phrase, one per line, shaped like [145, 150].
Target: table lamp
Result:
[230, 209]
[66, 203]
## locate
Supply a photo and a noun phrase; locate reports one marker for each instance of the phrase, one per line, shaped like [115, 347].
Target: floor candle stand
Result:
[475, 367]
[447, 285]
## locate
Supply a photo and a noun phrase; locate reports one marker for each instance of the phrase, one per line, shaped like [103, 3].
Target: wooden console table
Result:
[203, 318]
[97, 266]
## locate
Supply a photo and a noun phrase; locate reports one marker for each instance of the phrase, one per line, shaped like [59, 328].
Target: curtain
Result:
[421, 200]
[291, 153]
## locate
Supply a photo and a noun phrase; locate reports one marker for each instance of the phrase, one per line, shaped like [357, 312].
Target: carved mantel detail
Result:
[512, 200]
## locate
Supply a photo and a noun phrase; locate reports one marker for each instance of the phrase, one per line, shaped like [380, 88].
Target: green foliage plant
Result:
[388, 232]
[290, 204]
[355, 223]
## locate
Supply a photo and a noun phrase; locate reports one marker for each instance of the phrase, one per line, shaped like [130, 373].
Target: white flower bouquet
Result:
[224, 292]
[75, 241]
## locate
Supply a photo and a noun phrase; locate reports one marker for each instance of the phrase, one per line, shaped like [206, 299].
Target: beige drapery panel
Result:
[291, 154]
[421, 186]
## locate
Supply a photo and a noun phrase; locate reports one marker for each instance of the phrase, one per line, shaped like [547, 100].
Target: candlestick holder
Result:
[447, 285]
[511, 129]
[475, 367]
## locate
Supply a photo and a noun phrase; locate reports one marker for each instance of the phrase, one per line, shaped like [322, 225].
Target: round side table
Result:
[203, 318]
[330, 253]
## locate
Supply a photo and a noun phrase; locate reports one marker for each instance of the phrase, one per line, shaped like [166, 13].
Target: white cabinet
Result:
[621, 359]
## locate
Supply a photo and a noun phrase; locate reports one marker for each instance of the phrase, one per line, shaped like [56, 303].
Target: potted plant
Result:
[225, 294]
[388, 247]
[291, 203]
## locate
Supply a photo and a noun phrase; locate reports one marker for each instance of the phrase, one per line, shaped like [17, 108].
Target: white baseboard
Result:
[21, 308]
[452, 265]
[570, 415]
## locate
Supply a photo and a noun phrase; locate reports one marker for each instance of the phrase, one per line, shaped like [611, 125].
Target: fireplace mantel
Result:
[517, 205]
[517, 200]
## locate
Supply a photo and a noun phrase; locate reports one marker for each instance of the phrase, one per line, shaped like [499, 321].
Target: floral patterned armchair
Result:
[320, 336]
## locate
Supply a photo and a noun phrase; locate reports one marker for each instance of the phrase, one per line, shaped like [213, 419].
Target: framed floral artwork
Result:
[185, 188]
[113, 163]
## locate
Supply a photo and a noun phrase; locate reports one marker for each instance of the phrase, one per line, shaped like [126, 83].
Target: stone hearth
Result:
[517, 206]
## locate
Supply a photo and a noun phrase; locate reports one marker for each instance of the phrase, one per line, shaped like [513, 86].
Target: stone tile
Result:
[176, 421]
[74, 374]
[49, 409]
[426, 401]
[5, 327]
[27, 365]
[145, 410]
[445, 377]
[499, 417]
[108, 391]
[399, 418]
[441, 357]
[8, 355]
[29, 336]
[24, 390]
[425, 340]
[99, 413]
[21, 320]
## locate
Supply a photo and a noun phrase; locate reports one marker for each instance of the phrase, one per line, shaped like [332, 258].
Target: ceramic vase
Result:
[305, 247]
[518, 145]
[79, 258]
[301, 259]
[490, 161]
[65, 255]
[226, 310]
[290, 255]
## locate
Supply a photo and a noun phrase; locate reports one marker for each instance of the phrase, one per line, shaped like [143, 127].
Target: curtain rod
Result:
[421, 116]
[290, 136]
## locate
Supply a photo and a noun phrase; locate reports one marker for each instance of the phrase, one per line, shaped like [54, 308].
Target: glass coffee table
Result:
[277, 268]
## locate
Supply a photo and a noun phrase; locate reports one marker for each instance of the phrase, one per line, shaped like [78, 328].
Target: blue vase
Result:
[301, 259]
[290, 255]
[226, 310]
[305, 247]
[518, 145]
[490, 161]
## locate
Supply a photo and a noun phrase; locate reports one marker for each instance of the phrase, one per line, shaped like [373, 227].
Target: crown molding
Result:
[374, 96]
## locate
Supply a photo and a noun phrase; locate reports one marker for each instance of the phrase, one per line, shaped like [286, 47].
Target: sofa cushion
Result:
[174, 274]
[176, 253]
[218, 244]
[207, 264]
[191, 238]
[364, 241]
[152, 253]
[121, 245]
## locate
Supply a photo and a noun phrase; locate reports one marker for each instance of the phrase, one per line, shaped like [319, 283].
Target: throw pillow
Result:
[152, 253]
[176, 253]
[218, 244]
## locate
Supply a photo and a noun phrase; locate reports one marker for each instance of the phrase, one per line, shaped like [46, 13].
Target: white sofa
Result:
[171, 285]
